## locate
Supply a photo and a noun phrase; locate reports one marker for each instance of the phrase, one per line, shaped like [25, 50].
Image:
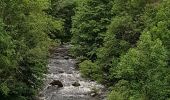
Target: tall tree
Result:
[7, 61]
[89, 26]
[62, 10]
[122, 34]
[158, 24]
[27, 24]
[143, 71]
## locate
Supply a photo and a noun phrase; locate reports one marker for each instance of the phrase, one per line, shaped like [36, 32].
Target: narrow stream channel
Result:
[64, 82]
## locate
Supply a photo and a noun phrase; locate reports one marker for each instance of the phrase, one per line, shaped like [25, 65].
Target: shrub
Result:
[90, 70]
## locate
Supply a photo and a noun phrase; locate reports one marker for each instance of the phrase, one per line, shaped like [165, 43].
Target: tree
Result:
[144, 70]
[7, 61]
[89, 26]
[27, 25]
[62, 10]
[159, 24]
[122, 34]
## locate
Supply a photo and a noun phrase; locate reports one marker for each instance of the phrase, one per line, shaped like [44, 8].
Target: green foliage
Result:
[7, 62]
[159, 28]
[132, 53]
[90, 70]
[24, 47]
[149, 53]
[62, 11]
[145, 69]
[125, 43]
[123, 91]
[122, 34]
[115, 96]
[89, 26]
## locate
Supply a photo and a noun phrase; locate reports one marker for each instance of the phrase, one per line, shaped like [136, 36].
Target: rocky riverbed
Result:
[64, 82]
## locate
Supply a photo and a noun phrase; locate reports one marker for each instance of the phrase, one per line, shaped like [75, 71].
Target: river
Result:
[70, 86]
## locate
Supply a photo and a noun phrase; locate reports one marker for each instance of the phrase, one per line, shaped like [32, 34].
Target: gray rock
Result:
[60, 71]
[76, 84]
[66, 57]
[93, 94]
[69, 72]
[56, 82]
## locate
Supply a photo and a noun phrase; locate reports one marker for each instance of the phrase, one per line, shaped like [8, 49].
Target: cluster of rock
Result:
[60, 84]
[64, 80]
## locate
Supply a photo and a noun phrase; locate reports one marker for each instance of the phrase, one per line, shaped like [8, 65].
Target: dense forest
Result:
[123, 44]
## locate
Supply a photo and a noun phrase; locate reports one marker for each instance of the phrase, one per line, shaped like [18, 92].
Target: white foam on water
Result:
[67, 78]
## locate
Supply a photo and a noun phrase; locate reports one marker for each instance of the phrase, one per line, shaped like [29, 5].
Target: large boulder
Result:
[60, 71]
[56, 82]
[76, 84]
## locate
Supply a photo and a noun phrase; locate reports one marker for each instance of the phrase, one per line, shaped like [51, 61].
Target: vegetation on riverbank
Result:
[124, 44]
[24, 43]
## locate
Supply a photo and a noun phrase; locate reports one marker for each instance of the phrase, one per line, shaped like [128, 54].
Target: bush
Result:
[122, 91]
[90, 70]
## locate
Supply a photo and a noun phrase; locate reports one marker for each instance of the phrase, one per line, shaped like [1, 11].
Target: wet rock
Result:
[60, 71]
[93, 94]
[56, 57]
[48, 87]
[66, 57]
[69, 72]
[40, 94]
[57, 62]
[56, 82]
[76, 84]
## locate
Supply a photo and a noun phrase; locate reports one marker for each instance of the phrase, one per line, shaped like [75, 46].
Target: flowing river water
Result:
[62, 69]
